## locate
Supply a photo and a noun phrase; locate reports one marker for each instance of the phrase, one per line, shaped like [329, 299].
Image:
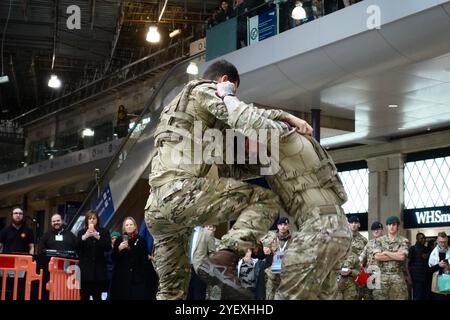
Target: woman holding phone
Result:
[133, 275]
[92, 243]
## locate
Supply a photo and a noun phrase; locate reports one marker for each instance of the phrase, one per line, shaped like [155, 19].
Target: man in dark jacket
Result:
[58, 238]
[418, 266]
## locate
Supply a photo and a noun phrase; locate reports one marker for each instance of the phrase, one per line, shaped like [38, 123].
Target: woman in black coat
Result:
[133, 277]
[92, 243]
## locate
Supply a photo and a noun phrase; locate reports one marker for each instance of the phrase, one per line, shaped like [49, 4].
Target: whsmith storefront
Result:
[427, 193]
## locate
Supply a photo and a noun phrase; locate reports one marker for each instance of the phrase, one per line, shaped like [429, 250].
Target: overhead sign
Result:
[105, 206]
[262, 26]
[427, 217]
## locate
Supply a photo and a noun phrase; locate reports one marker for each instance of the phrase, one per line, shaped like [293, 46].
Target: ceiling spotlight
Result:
[298, 13]
[153, 35]
[87, 133]
[54, 82]
[192, 68]
[174, 33]
[4, 79]
[393, 106]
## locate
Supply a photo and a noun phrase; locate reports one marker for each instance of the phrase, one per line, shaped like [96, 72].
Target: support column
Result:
[315, 119]
[386, 190]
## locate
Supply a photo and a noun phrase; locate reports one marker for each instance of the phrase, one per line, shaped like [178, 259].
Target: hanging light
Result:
[54, 82]
[153, 35]
[87, 133]
[192, 68]
[174, 33]
[298, 13]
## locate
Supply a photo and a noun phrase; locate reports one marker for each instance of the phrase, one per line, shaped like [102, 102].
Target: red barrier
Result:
[64, 283]
[19, 264]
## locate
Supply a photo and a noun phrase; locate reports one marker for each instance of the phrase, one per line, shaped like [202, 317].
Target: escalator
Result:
[127, 168]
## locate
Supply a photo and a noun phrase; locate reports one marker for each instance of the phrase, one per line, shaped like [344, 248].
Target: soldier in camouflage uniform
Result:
[391, 252]
[350, 267]
[312, 194]
[279, 242]
[366, 258]
[182, 197]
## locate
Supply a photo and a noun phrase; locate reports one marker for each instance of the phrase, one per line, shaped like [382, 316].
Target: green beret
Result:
[392, 220]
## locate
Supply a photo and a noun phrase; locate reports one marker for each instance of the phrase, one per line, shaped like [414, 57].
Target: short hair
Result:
[419, 234]
[56, 213]
[129, 218]
[89, 214]
[221, 68]
[16, 207]
[442, 234]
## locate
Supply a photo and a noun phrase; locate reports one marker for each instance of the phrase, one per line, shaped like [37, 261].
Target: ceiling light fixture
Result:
[393, 106]
[153, 35]
[298, 13]
[54, 82]
[192, 68]
[174, 33]
[87, 133]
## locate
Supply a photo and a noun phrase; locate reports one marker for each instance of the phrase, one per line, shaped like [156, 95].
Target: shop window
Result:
[427, 183]
[356, 183]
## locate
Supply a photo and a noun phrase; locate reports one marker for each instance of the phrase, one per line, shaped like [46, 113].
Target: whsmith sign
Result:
[427, 217]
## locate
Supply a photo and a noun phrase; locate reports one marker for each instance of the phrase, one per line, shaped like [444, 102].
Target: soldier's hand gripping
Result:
[302, 126]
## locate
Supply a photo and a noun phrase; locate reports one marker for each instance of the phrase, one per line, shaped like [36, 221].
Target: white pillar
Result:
[386, 190]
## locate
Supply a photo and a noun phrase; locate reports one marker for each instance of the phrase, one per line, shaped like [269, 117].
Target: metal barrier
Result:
[64, 283]
[16, 266]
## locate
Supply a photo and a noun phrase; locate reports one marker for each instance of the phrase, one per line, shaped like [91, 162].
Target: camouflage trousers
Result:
[392, 287]
[311, 262]
[347, 289]
[272, 284]
[175, 208]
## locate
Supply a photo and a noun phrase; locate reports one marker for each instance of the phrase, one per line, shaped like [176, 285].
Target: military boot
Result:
[220, 268]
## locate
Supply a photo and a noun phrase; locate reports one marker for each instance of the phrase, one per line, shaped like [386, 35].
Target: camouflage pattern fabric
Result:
[182, 198]
[273, 280]
[312, 259]
[393, 282]
[174, 209]
[367, 258]
[347, 286]
[312, 193]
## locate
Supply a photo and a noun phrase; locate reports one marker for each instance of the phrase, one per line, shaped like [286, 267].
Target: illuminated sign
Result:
[427, 217]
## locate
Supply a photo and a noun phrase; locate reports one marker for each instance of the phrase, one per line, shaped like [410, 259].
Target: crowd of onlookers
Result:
[116, 266]
[119, 265]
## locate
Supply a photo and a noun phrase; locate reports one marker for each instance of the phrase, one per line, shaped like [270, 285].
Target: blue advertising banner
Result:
[267, 24]
[105, 206]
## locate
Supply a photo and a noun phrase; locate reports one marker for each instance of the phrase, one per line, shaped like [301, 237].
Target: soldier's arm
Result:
[363, 256]
[255, 118]
[401, 254]
[397, 256]
[380, 256]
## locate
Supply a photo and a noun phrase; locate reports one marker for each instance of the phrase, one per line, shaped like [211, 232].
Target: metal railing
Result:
[150, 65]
